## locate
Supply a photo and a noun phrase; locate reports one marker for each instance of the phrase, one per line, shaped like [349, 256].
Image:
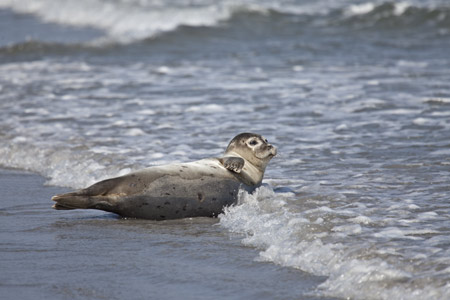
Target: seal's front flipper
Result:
[233, 163]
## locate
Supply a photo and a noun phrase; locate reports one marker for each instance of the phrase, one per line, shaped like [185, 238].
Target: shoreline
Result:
[95, 255]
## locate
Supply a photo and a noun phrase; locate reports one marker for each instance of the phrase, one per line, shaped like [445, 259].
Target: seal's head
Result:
[252, 147]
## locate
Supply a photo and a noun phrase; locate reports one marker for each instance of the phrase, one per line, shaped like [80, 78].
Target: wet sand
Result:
[94, 255]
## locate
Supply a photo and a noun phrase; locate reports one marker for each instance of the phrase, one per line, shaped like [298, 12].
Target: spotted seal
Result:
[196, 189]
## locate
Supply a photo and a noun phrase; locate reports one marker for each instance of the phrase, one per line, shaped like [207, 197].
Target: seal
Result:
[196, 189]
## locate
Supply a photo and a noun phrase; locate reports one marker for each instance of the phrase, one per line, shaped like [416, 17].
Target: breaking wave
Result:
[332, 240]
[127, 21]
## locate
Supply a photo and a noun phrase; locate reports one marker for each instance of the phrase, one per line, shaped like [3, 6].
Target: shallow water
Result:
[356, 96]
[94, 255]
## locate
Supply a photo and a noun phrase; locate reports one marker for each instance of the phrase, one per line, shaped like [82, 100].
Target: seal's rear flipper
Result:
[96, 196]
[82, 200]
[72, 201]
[60, 207]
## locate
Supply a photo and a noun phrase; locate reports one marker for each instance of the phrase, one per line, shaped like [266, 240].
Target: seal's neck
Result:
[251, 174]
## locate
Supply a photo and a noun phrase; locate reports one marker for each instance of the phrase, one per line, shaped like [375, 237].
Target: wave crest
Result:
[395, 15]
[126, 22]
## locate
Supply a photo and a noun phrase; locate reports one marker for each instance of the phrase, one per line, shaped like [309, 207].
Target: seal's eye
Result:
[266, 141]
[253, 143]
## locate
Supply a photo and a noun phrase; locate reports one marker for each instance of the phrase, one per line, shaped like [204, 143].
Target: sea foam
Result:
[316, 241]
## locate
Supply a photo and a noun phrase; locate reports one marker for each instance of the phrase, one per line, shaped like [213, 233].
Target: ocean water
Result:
[355, 95]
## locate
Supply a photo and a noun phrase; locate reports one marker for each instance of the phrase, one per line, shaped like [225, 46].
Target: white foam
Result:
[361, 220]
[393, 233]
[123, 21]
[19, 139]
[428, 215]
[442, 152]
[164, 70]
[60, 165]
[348, 229]
[156, 155]
[365, 8]
[401, 111]
[341, 127]
[147, 112]
[400, 8]
[324, 241]
[127, 21]
[207, 108]
[165, 126]
[425, 122]
[360, 9]
[135, 132]
[373, 82]
[440, 113]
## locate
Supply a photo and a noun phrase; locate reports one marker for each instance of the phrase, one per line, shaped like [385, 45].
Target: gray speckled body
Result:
[179, 198]
[196, 189]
